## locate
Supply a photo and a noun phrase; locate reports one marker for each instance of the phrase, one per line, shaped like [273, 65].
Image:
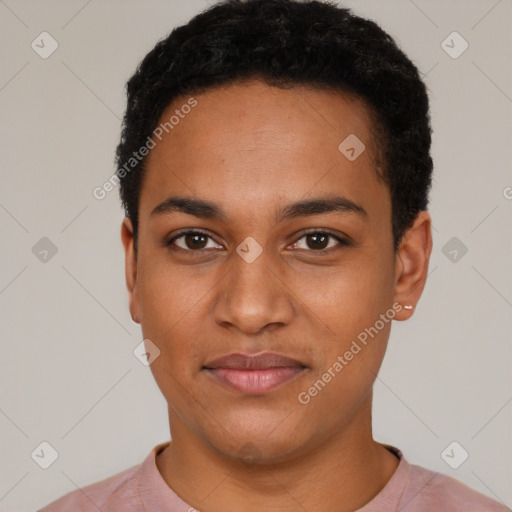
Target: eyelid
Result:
[325, 231]
[343, 241]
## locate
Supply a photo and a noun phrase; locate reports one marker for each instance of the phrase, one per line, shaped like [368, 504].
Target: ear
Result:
[411, 264]
[130, 267]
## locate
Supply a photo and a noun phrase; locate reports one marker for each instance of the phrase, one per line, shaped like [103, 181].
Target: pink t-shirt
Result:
[141, 488]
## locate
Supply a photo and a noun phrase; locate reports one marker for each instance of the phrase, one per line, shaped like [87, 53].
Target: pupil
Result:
[317, 236]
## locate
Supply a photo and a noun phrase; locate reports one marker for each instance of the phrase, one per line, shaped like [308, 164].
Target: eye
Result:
[319, 241]
[193, 241]
[314, 241]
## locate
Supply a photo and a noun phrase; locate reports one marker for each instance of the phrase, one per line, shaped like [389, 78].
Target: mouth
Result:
[254, 374]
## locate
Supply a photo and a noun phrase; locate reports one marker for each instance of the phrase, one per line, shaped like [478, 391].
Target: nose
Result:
[253, 297]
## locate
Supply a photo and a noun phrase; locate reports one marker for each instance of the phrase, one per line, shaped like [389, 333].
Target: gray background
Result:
[67, 372]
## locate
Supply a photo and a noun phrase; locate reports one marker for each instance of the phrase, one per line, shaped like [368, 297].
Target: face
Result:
[258, 272]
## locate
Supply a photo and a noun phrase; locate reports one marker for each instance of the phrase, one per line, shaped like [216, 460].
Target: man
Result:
[275, 168]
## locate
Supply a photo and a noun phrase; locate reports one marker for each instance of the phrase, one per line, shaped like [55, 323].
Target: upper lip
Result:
[259, 361]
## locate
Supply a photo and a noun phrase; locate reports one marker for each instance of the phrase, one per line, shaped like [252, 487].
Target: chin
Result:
[259, 444]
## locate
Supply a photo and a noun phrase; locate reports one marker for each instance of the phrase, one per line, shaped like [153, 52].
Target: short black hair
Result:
[287, 43]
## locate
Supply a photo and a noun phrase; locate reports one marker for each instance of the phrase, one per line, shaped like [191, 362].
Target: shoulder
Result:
[106, 495]
[428, 490]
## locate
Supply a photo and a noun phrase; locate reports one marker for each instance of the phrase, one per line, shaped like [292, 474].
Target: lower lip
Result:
[254, 382]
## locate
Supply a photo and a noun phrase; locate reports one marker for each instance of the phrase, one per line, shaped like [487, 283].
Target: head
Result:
[293, 139]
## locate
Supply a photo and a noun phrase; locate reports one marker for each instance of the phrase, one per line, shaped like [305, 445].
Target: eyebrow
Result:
[209, 210]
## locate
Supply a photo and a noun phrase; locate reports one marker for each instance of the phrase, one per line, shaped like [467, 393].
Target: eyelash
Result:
[342, 242]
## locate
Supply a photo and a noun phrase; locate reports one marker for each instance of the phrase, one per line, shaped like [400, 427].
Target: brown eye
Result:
[318, 241]
[193, 241]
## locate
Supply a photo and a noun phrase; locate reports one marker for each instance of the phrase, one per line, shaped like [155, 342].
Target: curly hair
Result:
[287, 43]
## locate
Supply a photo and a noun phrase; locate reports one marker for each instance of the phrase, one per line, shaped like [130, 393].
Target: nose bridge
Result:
[252, 296]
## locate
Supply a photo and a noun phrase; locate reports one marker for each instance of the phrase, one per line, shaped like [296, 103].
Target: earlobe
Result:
[130, 267]
[412, 261]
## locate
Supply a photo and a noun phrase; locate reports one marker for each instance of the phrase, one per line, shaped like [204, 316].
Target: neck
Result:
[342, 474]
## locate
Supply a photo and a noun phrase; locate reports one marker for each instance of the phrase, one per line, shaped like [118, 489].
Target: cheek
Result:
[171, 302]
[346, 307]
[335, 390]
[168, 293]
[346, 300]
[181, 358]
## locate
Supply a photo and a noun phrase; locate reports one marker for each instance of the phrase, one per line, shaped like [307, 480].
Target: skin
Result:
[253, 149]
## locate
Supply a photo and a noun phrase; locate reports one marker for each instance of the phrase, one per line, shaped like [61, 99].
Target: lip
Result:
[254, 373]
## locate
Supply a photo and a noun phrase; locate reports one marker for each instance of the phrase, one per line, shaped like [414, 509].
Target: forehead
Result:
[243, 144]
[253, 113]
